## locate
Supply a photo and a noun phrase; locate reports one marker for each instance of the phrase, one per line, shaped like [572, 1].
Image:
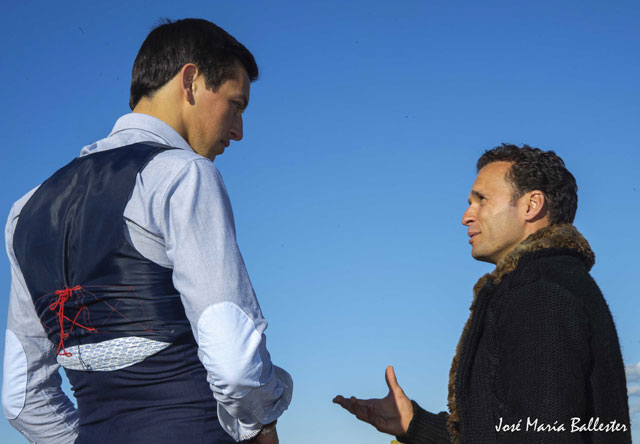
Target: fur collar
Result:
[552, 236]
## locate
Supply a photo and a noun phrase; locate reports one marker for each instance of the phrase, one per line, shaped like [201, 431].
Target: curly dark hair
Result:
[535, 169]
[173, 44]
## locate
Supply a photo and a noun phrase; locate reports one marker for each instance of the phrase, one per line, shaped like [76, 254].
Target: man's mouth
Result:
[472, 235]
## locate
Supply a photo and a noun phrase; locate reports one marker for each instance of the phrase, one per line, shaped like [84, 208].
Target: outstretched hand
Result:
[391, 414]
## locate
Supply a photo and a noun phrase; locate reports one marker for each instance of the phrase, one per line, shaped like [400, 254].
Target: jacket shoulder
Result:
[562, 269]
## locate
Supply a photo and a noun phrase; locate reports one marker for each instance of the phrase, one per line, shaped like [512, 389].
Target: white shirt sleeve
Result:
[209, 272]
[32, 397]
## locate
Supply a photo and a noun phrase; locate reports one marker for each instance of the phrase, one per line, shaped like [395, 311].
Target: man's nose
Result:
[468, 216]
[236, 129]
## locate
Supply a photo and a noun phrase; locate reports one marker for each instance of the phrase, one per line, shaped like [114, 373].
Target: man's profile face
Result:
[216, 116]
[495, 225]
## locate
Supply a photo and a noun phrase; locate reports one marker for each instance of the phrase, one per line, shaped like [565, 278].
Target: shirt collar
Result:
[138, 127]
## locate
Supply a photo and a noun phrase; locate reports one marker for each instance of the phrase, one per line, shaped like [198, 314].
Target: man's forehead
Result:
[241, 74]
[495, 168]
[490, 178]
[493, 173]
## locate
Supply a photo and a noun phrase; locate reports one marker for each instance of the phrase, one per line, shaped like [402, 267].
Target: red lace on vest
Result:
[63, 296]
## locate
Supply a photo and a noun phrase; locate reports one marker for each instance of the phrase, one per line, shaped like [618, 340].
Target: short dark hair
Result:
[535, 169]
[173, 44]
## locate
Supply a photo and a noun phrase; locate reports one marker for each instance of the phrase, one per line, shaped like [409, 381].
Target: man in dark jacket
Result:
[539, 359]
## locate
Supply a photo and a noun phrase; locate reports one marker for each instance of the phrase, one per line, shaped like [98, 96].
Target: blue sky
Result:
[359, 152]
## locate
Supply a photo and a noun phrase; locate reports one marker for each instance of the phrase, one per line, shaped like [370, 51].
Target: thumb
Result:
[392, 381]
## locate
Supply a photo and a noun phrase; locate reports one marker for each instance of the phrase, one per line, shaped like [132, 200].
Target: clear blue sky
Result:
[359, 152]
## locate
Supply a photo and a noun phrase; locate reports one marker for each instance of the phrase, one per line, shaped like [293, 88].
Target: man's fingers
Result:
[361, 408]
[351, 404]
[344, 403]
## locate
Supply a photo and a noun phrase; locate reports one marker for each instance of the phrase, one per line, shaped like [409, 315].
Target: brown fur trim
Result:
[552, 236]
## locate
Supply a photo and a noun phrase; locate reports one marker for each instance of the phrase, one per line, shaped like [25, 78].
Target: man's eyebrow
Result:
[476, 194]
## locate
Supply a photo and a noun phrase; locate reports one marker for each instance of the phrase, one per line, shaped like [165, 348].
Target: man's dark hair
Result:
[535, 169]
[173, 44]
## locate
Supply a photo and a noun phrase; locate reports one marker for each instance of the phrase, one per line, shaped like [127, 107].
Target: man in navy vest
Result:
[126, 272]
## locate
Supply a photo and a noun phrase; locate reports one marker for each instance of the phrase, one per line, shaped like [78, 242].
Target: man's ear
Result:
[188, 75]
[535, 206]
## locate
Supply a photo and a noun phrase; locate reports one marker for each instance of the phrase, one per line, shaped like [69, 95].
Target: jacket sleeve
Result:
[210, 274]
[32, 397]
[541, 380]
[543, 354]
[426, 428]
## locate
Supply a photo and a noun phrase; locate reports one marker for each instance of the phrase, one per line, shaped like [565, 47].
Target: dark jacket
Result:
[539, 357]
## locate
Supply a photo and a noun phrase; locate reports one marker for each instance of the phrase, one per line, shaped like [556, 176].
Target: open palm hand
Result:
[391, 414]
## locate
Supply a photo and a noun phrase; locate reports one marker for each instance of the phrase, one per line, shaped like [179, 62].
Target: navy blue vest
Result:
[89, 285]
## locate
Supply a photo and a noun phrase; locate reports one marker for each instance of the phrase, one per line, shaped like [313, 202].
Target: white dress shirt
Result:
[180, 217]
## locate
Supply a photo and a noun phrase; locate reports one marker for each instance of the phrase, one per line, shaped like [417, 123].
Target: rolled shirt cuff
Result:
[241, 427]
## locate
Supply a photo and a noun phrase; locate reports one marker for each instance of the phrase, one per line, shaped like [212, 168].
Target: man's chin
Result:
[482, 257]
[216, 152]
